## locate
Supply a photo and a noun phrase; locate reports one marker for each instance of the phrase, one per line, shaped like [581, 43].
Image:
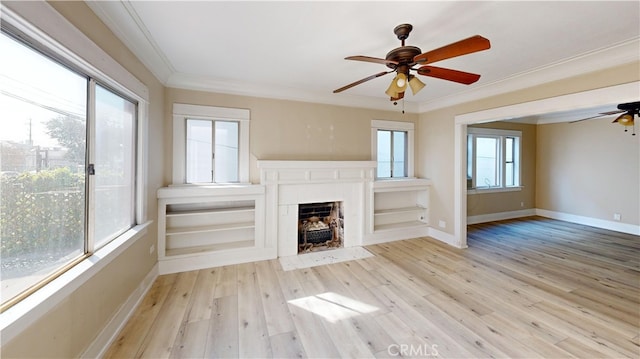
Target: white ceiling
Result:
[296, 50]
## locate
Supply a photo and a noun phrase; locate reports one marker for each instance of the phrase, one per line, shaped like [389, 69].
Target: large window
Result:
[493, 159]
[67, 162]
[210, 144]
[392, 144]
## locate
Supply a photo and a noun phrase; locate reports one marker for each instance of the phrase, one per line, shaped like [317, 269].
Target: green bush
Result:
[41, 213]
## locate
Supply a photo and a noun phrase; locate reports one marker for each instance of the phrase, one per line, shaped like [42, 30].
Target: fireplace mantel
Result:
[289, 183]
[282, 172]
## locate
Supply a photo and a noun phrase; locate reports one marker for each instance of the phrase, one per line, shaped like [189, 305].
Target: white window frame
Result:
[501, 135]
[53, 32]
[408, 127]
[182, 112]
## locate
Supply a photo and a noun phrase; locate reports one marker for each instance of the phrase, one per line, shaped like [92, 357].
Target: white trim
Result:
[616, 94]
[183, 111]
[590, 221]
[616, 55]
[490, 217]
[41, 22]
[29, 310]
[110, 332]
[561, 216]
[134, 34]
[447, 238]
[603, 96]
[409, 127]
[494, 190]
[493, 132]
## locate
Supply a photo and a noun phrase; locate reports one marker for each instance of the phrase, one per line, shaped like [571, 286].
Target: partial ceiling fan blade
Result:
[602, 114]
[361, 81]
[462, 47]
[371, 59]
[462, 77]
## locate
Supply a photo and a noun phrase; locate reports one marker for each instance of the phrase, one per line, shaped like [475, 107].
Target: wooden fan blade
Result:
[462, 77]
[602, 114]
[462, 47]
[371, 59]
[361, 81]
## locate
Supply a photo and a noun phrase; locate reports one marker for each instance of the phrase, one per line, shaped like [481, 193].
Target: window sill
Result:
[23, 314]
[494, 190]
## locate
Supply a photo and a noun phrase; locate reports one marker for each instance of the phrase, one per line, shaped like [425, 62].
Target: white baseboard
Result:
[396, 234]
[590, 221]
[110, 332]
[445, 237]
[482, 218]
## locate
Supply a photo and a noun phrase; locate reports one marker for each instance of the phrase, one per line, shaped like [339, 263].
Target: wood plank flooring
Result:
[524, 288]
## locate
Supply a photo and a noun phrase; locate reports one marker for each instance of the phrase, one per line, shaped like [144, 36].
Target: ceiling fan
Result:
[403, 60]
[628, 111]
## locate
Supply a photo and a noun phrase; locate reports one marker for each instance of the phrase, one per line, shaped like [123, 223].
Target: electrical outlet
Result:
[522, 204]
[442, 224]
[617, 217]
[152, 248]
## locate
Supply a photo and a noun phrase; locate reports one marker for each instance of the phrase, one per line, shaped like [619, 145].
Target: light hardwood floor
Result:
[523, 289]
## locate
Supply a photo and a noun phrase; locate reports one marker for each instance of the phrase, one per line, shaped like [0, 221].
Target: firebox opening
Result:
[320, 226]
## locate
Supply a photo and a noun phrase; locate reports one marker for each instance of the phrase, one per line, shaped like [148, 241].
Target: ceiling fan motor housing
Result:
[403, 56]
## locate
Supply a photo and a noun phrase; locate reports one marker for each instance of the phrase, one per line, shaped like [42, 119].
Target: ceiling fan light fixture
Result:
[392, 91]
[401, 81]
[415, 84]
[625, 119]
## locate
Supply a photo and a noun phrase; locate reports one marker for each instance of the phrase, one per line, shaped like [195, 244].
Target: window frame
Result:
[397, 126]
[182, 112]
[501, 135]
[39, 26]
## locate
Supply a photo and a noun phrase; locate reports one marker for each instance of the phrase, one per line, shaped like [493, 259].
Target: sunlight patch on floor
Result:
[333, 307]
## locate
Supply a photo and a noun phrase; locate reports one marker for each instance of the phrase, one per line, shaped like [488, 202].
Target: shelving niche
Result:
[208, 226]
[400, 209]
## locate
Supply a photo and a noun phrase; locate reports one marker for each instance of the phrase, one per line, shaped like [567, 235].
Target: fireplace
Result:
[320, 226]
[290, 184]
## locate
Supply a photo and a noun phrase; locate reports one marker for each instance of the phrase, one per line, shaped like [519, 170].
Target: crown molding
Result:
[134, 35]
[619, 54]
[200, 83]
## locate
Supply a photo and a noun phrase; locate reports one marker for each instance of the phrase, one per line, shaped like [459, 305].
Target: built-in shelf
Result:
[400, 209]
[212, 228]
[399, 225]
[208, 226]
[209, 248]
[209, 211]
